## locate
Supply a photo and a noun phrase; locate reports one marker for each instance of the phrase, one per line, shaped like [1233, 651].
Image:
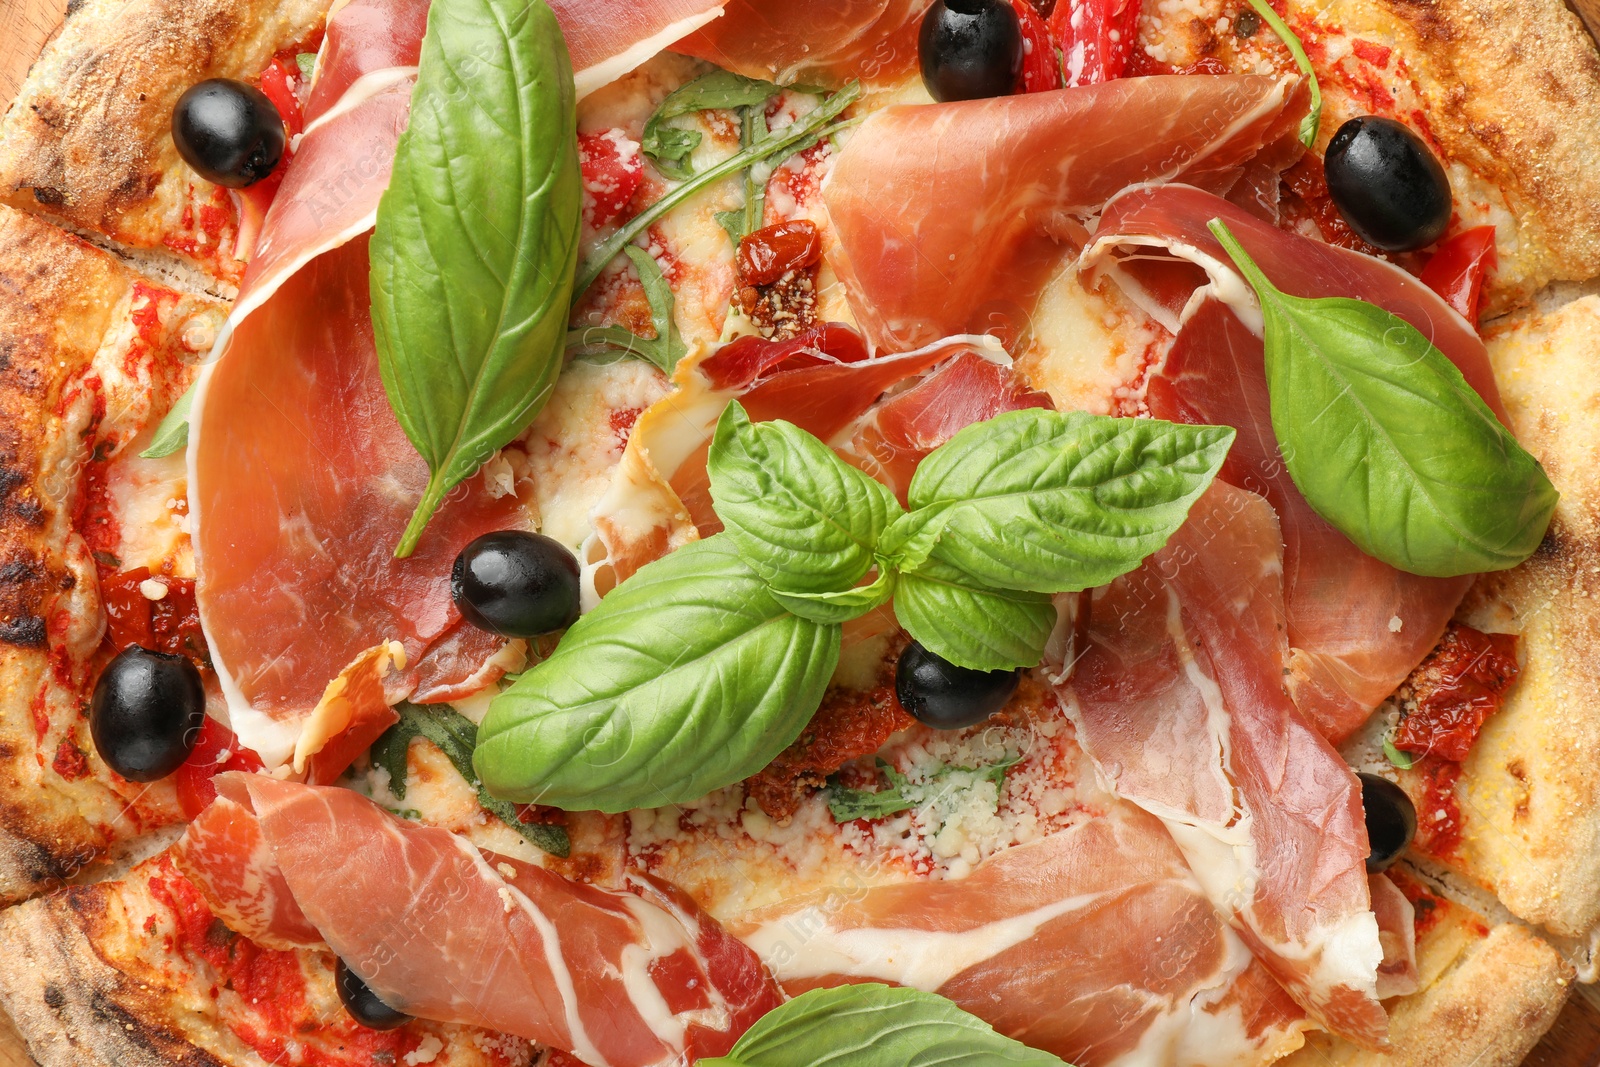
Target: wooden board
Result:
[26, 26]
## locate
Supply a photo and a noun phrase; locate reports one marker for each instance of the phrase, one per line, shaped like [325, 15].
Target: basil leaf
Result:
[874, 1025]
[1313, 120]
[802, 518]
[1388, 442]
[961, 620]
[1053, 502]
[477, 238]
[671, 147]
[687, 677]
[842, 605]
[1400, 759]
[454, 735]
[307, 62]
[664, 349]
[777, 146]
[902, 794]
[173, 433]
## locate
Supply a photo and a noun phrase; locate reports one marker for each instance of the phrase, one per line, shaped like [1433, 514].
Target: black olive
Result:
[1391, 820]
[1245, 24]
[970, 49]
[516, 584]
[937, 693]
[229, 132]
[363, 1004]
[146, 713]
[1387, 184]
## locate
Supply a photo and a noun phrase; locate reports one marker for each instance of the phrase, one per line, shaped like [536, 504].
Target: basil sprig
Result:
[173, 433]
[875, 1025]
[670, 147]
[453, 734]
[780, 144]
[1313, 120]
[605, 344]
[698, 670]
[1386, 439]
[477, 238]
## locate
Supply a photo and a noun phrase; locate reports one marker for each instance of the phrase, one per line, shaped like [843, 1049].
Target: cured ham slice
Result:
[442, 931]
[1356, 626]
[946, 213]
[1094, 943]
[1177, 692]
[790, 41]
[609, 38]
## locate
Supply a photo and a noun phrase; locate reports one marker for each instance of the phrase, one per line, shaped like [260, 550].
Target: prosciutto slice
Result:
[790, 41]
[1177, 692]
[442, 931]
[950, 213]
[1095, 943]
[1356, 626]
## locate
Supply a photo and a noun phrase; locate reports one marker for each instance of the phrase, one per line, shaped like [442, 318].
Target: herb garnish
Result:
[872, 1025]
[1386, 439]
[698, 670]
[477, 238]
[1313, 120]
[603, 344]
[903, 794]
[1400, 759]
[670, 147]
[455, 735]
[173, 433]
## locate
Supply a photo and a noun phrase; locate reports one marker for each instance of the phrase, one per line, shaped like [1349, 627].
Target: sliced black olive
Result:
[146, 713]
[1391, 820]
[516, 584]
[1387, 184]
[363, 1004]
[229, 132]
[970, 49]
[940, 694]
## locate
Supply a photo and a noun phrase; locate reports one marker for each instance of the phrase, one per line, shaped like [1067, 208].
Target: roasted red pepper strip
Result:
[1457, 269]
[1041, 66]
[1096, 38]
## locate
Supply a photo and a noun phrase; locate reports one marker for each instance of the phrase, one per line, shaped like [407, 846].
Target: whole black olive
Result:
[970, 49]
[146, 713]
[1387, 184]
[940, 694]
[363, 1004]
[229, 132]
[1391, 820]
[516, 584]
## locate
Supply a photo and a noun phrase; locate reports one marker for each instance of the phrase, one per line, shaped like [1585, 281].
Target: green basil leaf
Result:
[1388, 442]
[687, 677]
[455, 735]
[874, 1025]
[663, 350]
[842, 605]
[173, 433]
[903, 794]
[1313, 120]
[802, 518]
[1400, 759]
[477, 238]
[671, 147]
[775, 147]
[969, 624]
[307, 62]
[1051, 502]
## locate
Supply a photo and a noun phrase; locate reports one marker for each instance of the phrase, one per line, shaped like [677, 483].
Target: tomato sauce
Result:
[70, 762]
[1448, 697]
[850, 724]
[1309, 199]
[1438, 809]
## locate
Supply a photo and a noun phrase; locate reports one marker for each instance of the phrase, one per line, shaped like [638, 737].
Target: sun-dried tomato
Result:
[773, 251]
[1447, 698]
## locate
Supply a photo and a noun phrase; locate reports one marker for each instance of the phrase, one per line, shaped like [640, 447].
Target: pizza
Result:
[614, 534]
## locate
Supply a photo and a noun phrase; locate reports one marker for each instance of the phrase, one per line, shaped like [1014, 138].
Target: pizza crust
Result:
[88, 140]
[62, 304]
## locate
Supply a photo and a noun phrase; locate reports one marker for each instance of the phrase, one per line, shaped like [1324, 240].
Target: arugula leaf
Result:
[1400, 759]
[903, 794]
[958, 619]
[801, 517]
[455, 735]
[687, 677]
[873, 1025]
[778, 145]
[1388, 442]
[173, 433]
[477, 238]
[1052, 502]
[744, 221]
[663, 350]
[1313, 120]
[670, 147]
